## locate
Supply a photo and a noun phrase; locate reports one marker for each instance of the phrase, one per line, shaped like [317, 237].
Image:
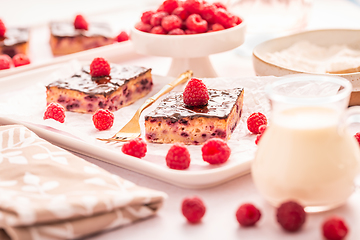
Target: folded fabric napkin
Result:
[49, 193]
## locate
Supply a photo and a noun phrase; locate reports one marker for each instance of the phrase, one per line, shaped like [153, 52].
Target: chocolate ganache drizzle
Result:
[219, 105]
[83, 82]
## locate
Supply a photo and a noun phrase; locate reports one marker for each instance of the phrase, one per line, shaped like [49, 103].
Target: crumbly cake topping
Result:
[83, 82]
[14, 36]
[67, 29]
[219, 105]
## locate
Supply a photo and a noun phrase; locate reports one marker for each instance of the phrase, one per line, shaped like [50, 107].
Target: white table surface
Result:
[221, 201]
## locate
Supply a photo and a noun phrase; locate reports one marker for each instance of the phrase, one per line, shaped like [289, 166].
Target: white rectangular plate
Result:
[23, 101]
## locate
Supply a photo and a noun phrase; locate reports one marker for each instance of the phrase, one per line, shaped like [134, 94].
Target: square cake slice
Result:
[173, 121]
[65, 39]
[16, 40]
[86, 94]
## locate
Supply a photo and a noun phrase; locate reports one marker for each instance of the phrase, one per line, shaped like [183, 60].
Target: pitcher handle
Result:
[351, 115]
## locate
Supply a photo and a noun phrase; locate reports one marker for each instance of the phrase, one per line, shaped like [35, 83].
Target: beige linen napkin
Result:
[48, 193]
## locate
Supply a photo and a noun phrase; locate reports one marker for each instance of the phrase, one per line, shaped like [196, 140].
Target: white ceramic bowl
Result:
[189, 52]
[323, 38]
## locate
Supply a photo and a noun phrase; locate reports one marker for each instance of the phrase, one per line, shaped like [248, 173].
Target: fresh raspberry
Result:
[334, 228]
[122, 37]
[143, 27]
[215, 151]
[160, 8]
[247, 215]
[219, 5]
[80, 22]
[258, 137]
[176, 31]
[103, 119]
[193, 209]
[2, 29]
[236, 20]
[208, 13]
[5, 62]
[357, 137]
[136, 147]
[20, 60]
[55, 111]
[171, 22]
[157, 17]
[224, 18]
[262, 129]
[188, 31]
[181, 13]
[195, 93]
[254, 121]
[146, 16]
[291, 216]
[158, 30]
[195, 23]
[216, 27]
[193, 6]
[99, 67]
[178, 157]
[170, 5]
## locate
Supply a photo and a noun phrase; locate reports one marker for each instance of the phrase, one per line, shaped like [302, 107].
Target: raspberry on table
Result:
[193, 209]
[20, 59]
[99, 67]
[196, 93]
[146, 16]
[143, 27]
[170, 5]
[357, 137]
[334, 228]
[215, 151]
[254, 121]
[5, 61]
[136, 147]
[181, 13]
[291, 216]
[55, 111]
[178, 157]
[176, 31]
[157, 17]
[195, 23]
[262, 129]
[247, 215]
[158, 30]
[103, 119]
[171, 22]
[122, 37]
[193, 6]
[80, 22]
[2, 29]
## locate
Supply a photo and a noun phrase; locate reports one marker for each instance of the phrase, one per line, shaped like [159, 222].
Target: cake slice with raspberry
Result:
[13, 40]
[72, 37]
[100, 86]
[174, 121]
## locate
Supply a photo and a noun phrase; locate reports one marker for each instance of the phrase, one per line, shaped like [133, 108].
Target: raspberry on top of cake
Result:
[100, 85]
[79, 35]
[13, 40]
[174, 120]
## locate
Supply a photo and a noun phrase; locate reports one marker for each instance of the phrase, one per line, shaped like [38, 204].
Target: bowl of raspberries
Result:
[188, 31]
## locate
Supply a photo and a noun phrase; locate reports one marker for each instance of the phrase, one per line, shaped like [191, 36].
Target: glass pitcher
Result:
[306, 153]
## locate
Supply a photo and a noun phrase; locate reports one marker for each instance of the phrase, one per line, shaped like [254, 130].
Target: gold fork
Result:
[132, 129]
